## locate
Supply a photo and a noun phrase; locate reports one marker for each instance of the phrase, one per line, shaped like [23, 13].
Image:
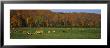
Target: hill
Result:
[47, 18]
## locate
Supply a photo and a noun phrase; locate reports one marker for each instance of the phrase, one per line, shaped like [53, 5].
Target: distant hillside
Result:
[47, 18]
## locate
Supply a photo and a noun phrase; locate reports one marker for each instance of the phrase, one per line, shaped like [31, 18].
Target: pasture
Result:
[55, 33]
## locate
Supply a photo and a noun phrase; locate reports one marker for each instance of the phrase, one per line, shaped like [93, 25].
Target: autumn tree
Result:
[30, 21]
[15, 22]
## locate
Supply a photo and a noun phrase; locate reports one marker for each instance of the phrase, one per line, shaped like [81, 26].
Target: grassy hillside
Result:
[57, 33]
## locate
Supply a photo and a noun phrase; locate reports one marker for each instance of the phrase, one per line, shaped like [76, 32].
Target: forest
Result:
[47, 18]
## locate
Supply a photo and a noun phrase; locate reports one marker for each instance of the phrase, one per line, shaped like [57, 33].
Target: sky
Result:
[98, 11]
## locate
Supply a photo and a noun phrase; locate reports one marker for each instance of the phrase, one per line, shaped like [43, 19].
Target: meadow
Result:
[55, 33]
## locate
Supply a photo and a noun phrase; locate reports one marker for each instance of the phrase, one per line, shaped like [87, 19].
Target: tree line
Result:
[47, 18]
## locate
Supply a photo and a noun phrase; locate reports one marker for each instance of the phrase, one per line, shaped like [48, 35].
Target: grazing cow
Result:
[38, 32]
[48, 31]
[53, 31]
[29, 33]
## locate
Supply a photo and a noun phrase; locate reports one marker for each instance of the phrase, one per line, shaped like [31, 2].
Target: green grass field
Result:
[56, 33]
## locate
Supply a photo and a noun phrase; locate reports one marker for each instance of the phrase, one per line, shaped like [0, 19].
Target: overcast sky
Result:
[78, 10]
